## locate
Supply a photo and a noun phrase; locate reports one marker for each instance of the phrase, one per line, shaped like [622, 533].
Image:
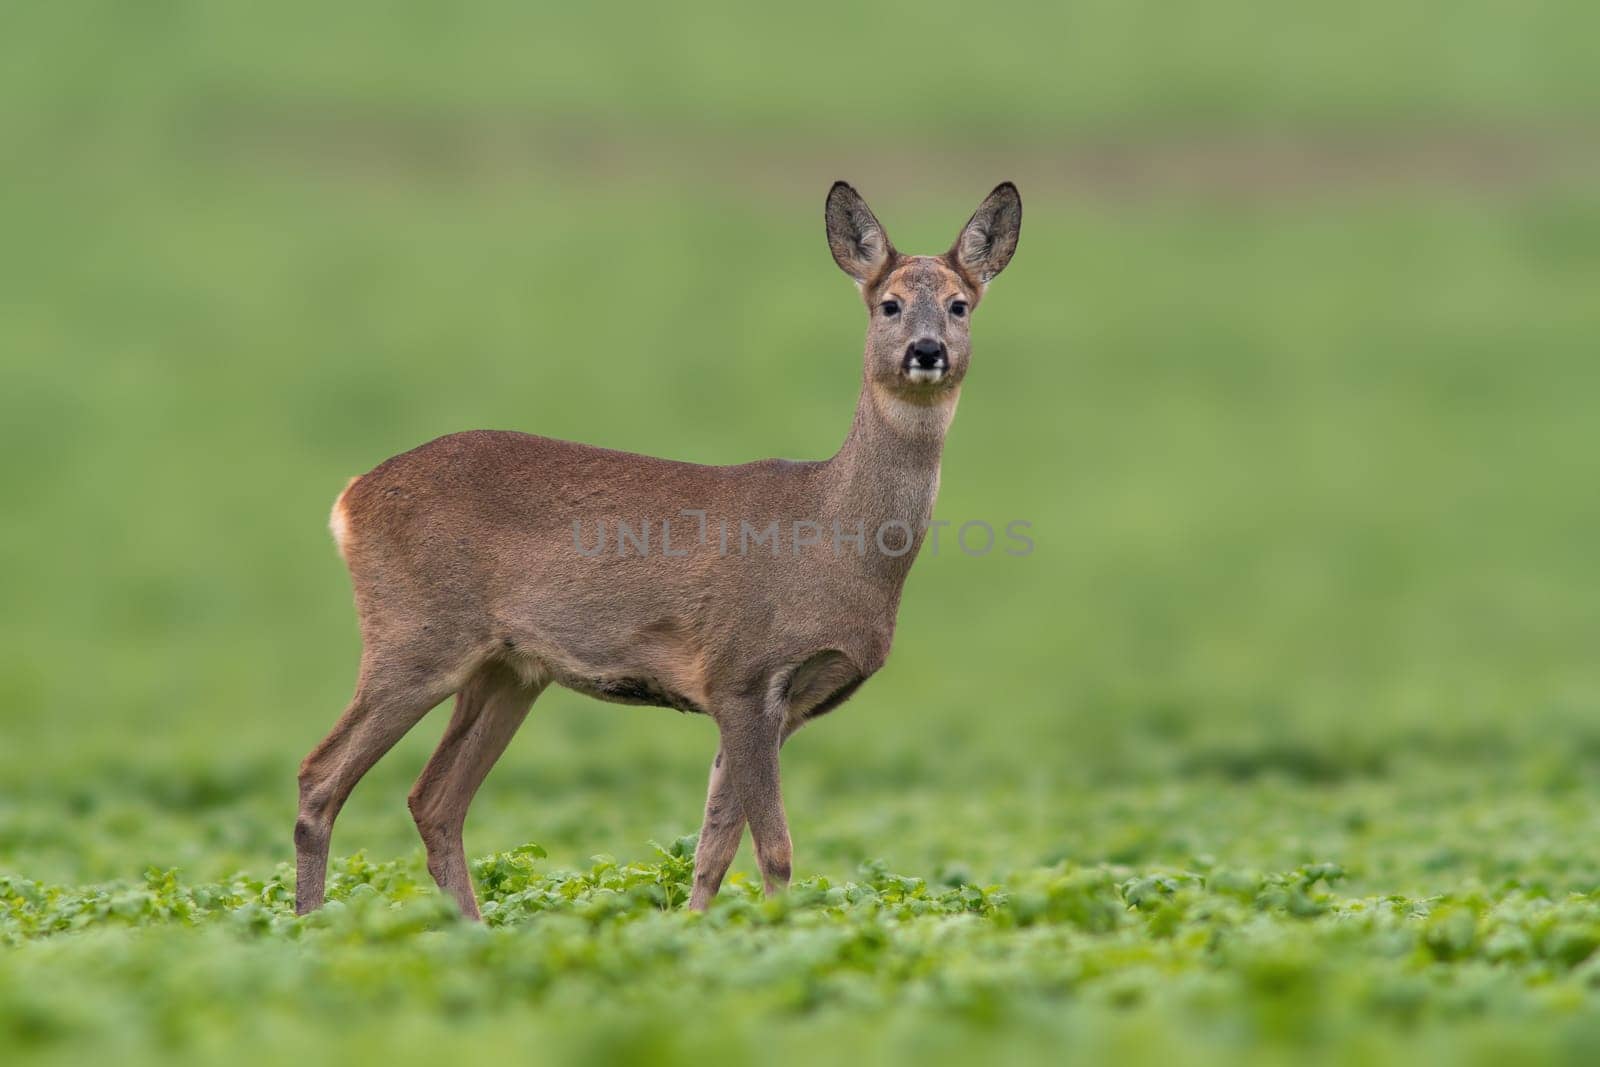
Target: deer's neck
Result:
[886, 476]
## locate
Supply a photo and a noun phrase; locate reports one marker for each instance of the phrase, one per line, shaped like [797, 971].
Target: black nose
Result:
[926, 354]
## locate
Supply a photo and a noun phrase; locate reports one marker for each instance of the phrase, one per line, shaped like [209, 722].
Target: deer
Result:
[474, 574]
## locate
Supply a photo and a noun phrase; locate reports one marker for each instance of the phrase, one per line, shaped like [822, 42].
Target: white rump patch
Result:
[339, 523]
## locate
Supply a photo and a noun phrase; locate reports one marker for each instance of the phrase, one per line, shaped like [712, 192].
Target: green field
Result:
[1284, 744]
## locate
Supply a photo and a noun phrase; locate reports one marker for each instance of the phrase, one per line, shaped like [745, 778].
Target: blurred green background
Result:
[1294, 374]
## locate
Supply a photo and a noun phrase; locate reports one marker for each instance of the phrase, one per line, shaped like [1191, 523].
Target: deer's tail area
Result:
[339, 521]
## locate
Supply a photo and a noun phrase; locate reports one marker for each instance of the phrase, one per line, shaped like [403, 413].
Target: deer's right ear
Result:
[855, 235]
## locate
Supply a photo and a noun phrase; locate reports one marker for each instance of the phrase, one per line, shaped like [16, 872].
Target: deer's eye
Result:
[890, 308]
[959, 309]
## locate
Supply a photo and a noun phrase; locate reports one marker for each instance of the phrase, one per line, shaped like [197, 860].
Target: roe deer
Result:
[471, 577]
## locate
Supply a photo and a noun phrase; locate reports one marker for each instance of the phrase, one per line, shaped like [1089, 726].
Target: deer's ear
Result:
[989, 238]
[855, 235]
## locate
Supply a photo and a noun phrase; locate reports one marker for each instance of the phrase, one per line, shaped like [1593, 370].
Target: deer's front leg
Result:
[720, 832]
[751, 738]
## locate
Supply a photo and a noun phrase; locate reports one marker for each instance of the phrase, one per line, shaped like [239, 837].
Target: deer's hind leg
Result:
[400, 682]
[489, 709]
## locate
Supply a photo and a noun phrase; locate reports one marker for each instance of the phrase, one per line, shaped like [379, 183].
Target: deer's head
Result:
[920, 307]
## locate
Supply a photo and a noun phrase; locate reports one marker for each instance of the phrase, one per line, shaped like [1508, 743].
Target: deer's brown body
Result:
[491, 564]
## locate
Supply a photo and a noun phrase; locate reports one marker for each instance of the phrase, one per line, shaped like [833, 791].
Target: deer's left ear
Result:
[989, 238]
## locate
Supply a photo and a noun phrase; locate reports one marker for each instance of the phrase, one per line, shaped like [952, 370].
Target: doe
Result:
[471, 577]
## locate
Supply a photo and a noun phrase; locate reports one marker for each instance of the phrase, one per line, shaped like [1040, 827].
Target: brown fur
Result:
[468, 582]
